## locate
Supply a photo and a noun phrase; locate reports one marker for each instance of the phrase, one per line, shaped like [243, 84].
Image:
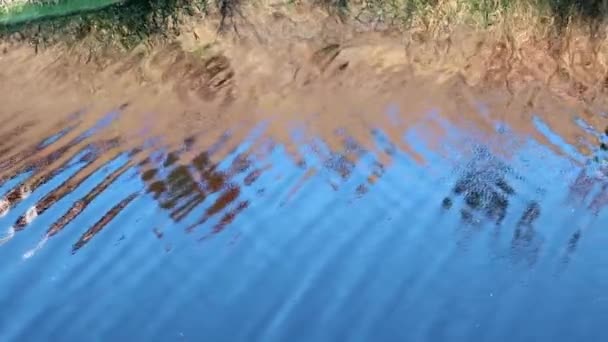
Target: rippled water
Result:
[365, 243]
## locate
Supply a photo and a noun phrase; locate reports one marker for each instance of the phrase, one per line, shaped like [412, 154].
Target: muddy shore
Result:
[303, 66]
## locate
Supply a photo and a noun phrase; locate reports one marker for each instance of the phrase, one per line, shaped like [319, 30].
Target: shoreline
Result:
[301, 63]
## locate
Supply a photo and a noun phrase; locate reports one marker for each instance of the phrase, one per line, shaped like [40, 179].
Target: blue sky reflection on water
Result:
[472, 245]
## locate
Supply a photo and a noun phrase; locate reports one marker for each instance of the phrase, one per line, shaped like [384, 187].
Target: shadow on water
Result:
[85, 210]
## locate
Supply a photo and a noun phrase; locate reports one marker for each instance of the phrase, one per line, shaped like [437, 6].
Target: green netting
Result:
[19, 11]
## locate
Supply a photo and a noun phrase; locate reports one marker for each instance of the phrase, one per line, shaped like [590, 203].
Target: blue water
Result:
[470, 246]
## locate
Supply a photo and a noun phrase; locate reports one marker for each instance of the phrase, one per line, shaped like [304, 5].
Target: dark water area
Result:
[102, 242]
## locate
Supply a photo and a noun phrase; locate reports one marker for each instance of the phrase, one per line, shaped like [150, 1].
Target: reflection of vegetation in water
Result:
[182, 188]
[592, 181]
[526, 241]
[591, 187]
[486, 193]
[483, 187]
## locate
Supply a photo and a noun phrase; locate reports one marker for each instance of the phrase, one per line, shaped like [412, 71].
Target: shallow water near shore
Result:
[116, 236]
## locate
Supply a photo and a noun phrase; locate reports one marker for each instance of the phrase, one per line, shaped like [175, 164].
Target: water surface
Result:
[104, 239]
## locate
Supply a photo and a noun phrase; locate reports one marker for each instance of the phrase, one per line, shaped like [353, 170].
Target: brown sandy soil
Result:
[291, 68]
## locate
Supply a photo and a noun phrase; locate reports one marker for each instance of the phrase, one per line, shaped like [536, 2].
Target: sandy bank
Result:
[302, 66]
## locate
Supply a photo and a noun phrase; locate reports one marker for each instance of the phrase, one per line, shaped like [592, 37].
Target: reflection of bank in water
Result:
[182, 188]
[210, 190]
[203, 192]
[40, 171]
